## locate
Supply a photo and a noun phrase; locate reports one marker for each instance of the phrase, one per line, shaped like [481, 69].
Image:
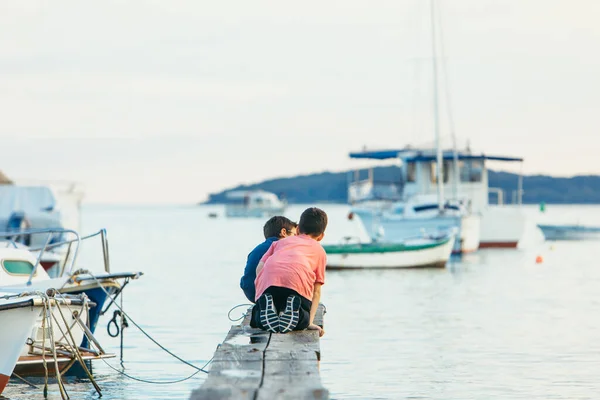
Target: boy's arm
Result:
[315, 302]
[264, 258]
[259, 267]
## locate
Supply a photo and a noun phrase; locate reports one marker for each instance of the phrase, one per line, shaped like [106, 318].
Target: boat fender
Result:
[113, 321]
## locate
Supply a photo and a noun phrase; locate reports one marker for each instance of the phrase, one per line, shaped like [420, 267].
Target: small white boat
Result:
[253, 204]
[17, 318]
[570, 232]
[411, 253]
[89, 296]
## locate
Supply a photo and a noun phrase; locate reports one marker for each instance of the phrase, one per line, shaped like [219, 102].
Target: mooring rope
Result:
[243, 314]
[158, 382]
[87, 272]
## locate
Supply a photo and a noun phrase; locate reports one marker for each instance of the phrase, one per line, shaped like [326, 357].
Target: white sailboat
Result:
[414, 216]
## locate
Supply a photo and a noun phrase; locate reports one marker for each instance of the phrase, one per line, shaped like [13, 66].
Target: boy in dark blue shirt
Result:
[275, 228]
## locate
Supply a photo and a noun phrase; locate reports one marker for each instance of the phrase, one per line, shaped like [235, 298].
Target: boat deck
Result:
[34, 365]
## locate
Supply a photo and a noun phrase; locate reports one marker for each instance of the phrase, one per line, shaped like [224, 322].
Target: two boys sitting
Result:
[289, 274]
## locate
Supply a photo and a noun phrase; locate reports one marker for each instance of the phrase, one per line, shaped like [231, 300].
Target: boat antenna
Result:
[456, 177]
[436, 122]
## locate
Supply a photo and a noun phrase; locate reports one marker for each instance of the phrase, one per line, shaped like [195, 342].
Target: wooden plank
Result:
[253, 364]
[291, 369]
[292, 379]
[236, 369]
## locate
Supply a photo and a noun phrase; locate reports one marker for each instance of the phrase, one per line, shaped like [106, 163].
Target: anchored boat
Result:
[253, 204]
[44, 324]
[20, 271]
[570, 232]
[17, 318]
[497, 224]
[411, 253]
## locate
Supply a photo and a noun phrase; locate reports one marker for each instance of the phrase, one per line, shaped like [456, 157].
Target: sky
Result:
[168, 101]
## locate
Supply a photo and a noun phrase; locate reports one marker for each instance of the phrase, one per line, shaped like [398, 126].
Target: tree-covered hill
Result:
[332, 187]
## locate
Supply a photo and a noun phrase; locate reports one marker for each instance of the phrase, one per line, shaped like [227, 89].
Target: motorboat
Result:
[253, 204]
[465, 180]
[18, 314]
[570, 232]
[21, 271]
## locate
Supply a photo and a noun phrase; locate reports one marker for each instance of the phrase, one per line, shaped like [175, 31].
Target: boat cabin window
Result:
[471, 170]
[17, 267]
[411, 172]
[434, 172]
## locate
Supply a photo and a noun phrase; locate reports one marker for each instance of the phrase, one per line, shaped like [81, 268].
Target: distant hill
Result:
[331, 187]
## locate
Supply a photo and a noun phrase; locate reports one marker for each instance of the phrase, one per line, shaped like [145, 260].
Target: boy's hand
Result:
[314, 327]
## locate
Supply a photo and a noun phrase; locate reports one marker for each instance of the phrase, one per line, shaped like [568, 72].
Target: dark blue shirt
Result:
[247, 281]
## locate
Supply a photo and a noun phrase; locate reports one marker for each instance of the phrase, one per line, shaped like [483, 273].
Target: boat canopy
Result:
[29, 199]
[411, 155]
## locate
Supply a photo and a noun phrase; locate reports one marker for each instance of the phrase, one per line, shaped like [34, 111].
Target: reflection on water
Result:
[494, 324]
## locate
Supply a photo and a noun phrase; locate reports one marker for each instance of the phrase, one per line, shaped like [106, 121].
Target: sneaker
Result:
[290, 317]
[268, 315]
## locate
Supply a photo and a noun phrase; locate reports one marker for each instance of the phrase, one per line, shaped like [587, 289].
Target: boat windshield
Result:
[471, 170]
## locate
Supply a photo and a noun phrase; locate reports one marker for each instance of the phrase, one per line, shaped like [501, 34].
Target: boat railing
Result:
[499, 194]
[71, 253]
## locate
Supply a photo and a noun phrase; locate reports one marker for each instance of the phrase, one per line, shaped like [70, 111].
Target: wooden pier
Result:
[254, 364]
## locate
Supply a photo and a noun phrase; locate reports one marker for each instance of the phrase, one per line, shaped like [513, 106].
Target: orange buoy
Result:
[539, 260]
[350, 215]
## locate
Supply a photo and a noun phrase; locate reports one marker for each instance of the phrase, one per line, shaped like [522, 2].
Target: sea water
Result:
[493, 324]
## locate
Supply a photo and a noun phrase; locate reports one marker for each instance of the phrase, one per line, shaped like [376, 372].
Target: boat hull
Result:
[240, 212]
[20, 321]
[398, 227]
[433, 255]
[569, 232]
[502, 227]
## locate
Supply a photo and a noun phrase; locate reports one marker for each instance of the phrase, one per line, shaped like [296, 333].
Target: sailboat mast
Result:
[436, 117]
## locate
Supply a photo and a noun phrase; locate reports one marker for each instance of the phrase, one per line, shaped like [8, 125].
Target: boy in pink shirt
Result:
[289, 278]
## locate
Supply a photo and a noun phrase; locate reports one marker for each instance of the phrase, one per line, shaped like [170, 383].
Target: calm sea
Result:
[494, 324]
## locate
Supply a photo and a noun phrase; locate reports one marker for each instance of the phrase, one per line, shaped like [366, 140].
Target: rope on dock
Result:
[247, 305]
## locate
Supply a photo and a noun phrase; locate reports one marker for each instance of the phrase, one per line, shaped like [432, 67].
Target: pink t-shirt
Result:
[296, 262]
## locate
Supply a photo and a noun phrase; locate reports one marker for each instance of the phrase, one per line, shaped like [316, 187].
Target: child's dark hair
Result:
[313, 221]
[274, 226]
